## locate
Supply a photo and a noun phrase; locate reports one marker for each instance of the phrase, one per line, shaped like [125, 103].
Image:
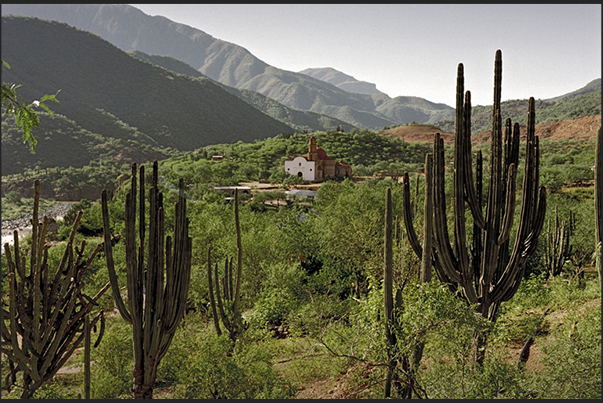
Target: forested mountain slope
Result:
[298, 119]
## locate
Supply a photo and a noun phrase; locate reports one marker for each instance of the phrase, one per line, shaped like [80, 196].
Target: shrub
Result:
[271, 309]
[214, 370]
[572, 361]
[111, 374]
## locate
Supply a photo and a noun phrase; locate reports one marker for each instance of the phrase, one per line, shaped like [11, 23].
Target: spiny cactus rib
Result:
[156, 291]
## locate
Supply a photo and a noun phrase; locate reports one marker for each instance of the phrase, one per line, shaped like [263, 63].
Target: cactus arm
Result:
[446, 256]
[219, 298]
[460, 165]
[410, 229]
[21, 359]
[509, 207]
[470, 185]
[239, 254]
[212, 301]
[109, 257]
[428, 222]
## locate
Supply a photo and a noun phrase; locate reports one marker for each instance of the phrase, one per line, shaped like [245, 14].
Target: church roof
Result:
[322, 154]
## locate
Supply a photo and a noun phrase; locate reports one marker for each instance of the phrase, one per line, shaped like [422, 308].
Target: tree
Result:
[24, 113]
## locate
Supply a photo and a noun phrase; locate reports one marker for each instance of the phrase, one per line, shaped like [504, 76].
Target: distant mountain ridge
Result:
[130, 29]
[341, 80]
[299, 120]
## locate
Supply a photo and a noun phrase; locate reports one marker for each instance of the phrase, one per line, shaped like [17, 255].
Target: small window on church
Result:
[300, 164]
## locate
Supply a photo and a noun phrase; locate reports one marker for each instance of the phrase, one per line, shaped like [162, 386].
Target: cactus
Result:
[227, 301]
[47, 311]
[599, 205]
[489, 269]
[557, 248]
[155, 304]
[392, 308]
[388, 292]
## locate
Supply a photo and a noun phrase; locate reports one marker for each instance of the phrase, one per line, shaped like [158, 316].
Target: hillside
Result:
[585, 101]
[107, 92]
[130, 29]
[297, 119]
[579, 129]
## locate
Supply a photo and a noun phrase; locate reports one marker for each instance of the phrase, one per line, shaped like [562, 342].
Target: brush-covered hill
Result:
[106, 92]
[130, 29]
[583, 102]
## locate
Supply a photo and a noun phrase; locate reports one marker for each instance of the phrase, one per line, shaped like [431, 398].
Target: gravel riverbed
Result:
[56, 211]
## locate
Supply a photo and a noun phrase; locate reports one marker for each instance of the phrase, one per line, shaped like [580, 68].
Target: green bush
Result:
[572, 361]
[213, 371]
[111, 373]
[271, 308]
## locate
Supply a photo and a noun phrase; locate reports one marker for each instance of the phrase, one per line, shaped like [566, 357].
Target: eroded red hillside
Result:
[580, 129]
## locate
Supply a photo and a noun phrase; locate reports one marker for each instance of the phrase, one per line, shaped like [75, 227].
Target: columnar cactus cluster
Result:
[488, 268]
[558, 248]
[46, 309]
[158, 276]
[226, 301]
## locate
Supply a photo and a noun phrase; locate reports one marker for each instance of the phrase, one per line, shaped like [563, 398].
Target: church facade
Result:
[317, 165]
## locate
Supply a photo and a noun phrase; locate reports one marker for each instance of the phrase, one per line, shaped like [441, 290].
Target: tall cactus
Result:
[557, 248]
[227, 301]
[489, 269]
[392, 308]
[388, 295]
[155, 304]
[599, 205]
[47, 311]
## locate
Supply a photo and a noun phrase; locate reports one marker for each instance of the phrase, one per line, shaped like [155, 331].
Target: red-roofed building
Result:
[317, 165]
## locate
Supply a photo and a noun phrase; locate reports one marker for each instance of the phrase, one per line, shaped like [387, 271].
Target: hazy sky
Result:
[414, 49]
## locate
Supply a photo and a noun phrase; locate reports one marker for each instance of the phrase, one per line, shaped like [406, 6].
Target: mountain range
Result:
[341, 80]
[130, 29]
[124, 106]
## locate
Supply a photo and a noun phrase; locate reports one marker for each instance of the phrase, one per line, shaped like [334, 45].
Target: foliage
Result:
[111, 375]
[25, 115]
[211, 373]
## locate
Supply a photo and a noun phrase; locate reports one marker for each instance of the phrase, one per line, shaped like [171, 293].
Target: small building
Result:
[317, 165]
[300, 194]
[230, 190]
[217, 157]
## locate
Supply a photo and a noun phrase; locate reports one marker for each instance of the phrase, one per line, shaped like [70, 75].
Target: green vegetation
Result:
[547, 111]
[311, 291]
[330, 302]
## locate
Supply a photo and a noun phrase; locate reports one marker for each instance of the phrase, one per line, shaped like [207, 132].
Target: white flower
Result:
[36, 103]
